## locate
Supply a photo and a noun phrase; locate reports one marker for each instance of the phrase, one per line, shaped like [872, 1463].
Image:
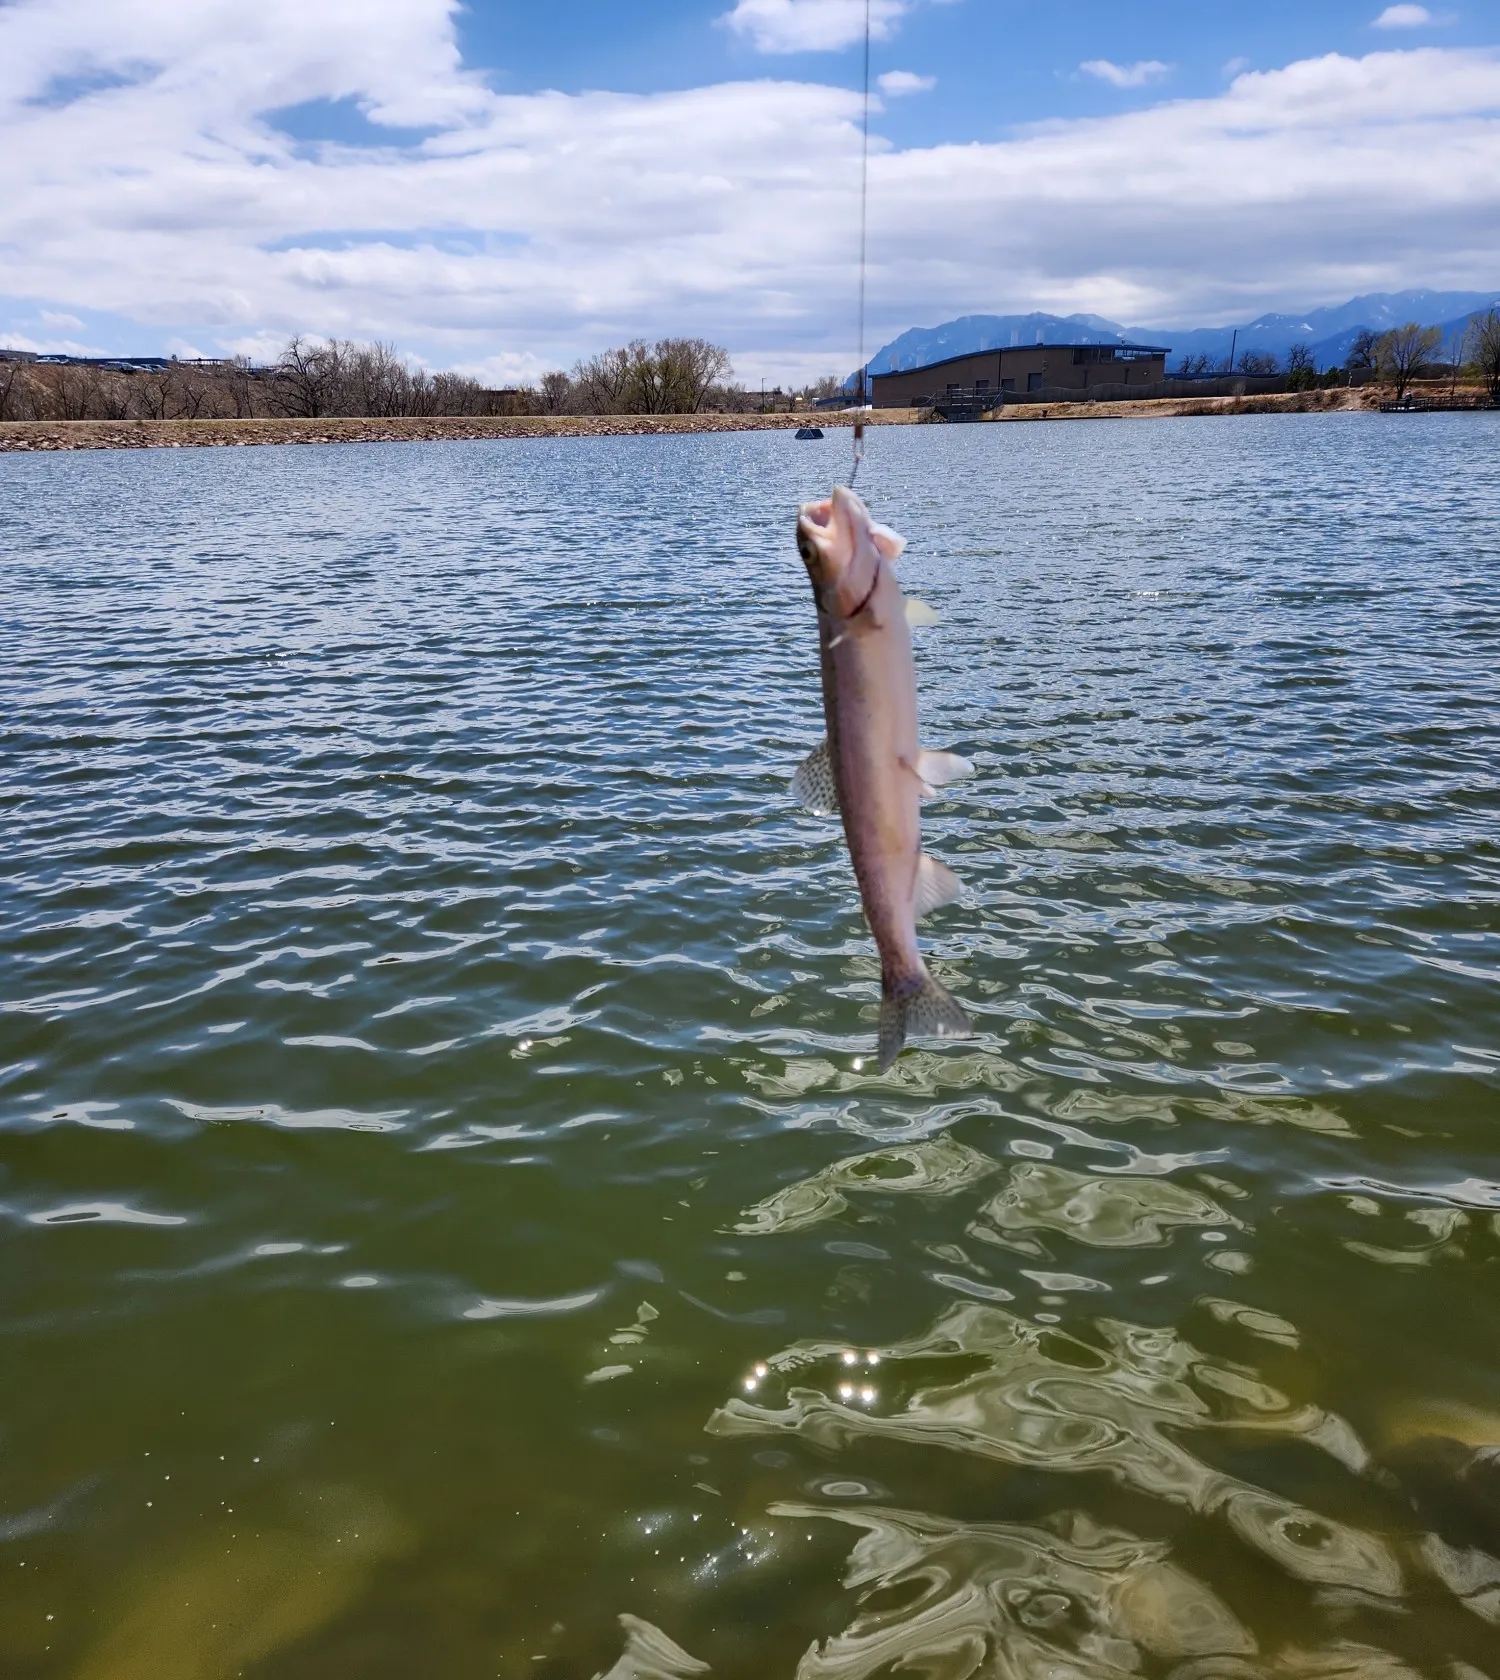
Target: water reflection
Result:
[1071, 1597]
[1112, 1211]
[1125, 1403]
[650, 1654]
[936, 1166]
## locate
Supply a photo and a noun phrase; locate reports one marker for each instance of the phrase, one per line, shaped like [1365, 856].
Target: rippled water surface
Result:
[450, 1224]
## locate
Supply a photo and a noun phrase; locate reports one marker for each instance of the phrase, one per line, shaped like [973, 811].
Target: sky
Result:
[504, 186]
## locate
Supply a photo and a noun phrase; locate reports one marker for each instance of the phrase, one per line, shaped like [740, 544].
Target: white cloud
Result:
[1126, 75]
[1404, 17]
[790, 26]
[50, 345]
[1234, 66]
[897, 82]
[529, 229]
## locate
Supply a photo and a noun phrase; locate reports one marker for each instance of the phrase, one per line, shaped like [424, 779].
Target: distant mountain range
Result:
[1328, 333]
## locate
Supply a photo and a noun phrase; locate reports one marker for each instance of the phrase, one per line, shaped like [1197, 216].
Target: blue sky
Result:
[506, 186]
[997, 62]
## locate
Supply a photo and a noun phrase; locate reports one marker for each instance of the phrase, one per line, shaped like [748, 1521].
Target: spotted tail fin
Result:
[917, 1006]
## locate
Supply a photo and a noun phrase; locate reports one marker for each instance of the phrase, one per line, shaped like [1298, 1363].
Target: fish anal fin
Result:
[917, 1006]
[937, 769]
[919, 614]
[937, 885]
[813, 786]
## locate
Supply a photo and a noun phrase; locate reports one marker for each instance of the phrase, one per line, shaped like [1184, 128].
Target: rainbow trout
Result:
[871, 768]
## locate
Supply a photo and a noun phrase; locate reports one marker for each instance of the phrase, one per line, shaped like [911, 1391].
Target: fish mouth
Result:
[842, 564]
[814, 524]
[824, 540]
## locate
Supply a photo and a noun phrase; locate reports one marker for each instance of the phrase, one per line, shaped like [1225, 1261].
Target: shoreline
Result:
[46, 435]
[17, 436]
[1338, 399]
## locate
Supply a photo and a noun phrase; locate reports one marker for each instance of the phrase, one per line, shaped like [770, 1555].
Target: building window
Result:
[1007, 384]
[1033, 382]
[981, 385]
[953, 390]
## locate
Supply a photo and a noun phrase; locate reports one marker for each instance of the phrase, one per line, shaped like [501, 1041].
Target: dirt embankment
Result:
[1335, 401]
[190, 434]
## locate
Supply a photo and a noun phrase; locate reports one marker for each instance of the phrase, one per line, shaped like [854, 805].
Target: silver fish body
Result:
[872, 768]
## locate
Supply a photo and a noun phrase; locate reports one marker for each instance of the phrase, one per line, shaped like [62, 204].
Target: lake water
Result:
[447, 1202]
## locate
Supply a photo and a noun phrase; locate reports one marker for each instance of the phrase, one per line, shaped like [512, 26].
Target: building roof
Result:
[1002, 349]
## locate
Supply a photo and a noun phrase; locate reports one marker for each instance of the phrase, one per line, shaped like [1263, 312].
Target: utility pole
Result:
[1232, 342]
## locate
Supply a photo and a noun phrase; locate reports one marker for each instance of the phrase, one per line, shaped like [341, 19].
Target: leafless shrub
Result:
[672, 376]
[313, 379]
[1259, 362]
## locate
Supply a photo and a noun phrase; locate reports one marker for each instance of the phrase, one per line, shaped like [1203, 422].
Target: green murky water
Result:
[446, 1209]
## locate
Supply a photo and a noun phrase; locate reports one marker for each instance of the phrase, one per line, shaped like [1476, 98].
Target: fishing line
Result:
[864, 201]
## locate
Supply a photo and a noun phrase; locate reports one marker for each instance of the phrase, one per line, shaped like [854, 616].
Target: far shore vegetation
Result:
[316, 379]
[1399, 359]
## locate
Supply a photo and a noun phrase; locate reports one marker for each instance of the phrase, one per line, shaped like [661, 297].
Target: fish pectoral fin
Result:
[919, 614]
[813, 786]
[937, 769]
[888, 545]
[923, 790]
[937, 885]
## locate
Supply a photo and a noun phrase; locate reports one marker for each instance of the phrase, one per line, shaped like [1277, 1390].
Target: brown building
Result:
[1021, 369]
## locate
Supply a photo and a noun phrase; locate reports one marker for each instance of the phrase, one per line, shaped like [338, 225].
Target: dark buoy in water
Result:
[805, 434]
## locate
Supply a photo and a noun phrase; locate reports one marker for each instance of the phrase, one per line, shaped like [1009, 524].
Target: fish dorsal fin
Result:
[919, 614]
[889, 546]
[937, 885]
[937, 769]
[813, 786]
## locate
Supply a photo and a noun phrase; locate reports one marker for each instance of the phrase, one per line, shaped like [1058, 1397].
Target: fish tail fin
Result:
[917, 1006]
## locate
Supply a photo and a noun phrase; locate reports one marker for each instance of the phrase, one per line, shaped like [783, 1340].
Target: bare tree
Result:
[1362, 352]
[556, 393]
[112, 397]
[824, 389]
[686, 370]
[308, 377]
[13, 390]
[75, 392]
[1403, 352]
[192, 392]
[1301, 369]
[375, 380]
[1259, 363]
[153, 395]
[672, 376]
[605, 384]
[233, 380]
[1485, 341]
[1456, 348]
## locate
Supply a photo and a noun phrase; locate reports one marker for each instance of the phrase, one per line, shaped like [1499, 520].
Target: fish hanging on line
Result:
[871, 768]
